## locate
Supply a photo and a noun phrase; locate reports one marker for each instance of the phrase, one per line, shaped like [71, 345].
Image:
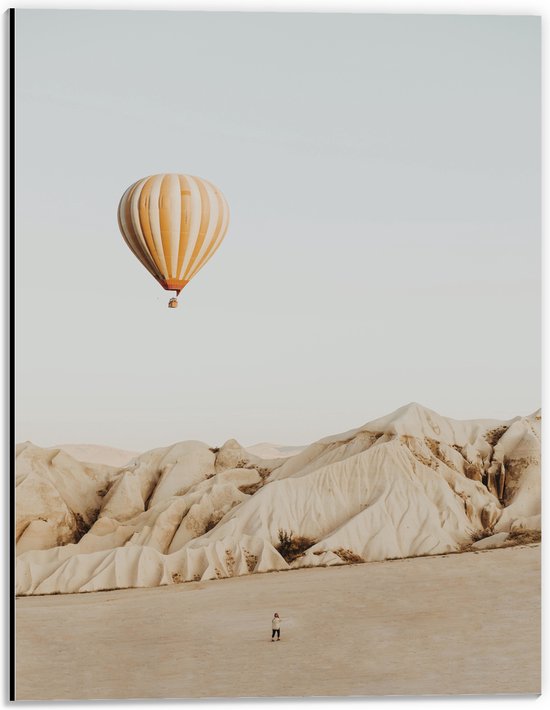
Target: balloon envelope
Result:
[173, 224]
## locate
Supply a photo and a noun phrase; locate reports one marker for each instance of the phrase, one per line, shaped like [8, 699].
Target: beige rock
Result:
[410, 484]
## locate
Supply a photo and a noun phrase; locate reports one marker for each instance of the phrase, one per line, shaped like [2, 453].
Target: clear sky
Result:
[383, 174]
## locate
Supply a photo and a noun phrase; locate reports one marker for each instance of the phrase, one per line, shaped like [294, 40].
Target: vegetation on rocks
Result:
[290, 547]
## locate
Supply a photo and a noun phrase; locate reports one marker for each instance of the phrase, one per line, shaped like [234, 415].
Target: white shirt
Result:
[276, 623]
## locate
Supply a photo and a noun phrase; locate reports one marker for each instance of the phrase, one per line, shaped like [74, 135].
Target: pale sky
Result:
[383, 175]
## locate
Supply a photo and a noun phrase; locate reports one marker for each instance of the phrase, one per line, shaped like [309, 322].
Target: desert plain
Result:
[461, 623]
[403, 558]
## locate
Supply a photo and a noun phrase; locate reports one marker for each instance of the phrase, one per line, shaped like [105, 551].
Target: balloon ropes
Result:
[173, 224]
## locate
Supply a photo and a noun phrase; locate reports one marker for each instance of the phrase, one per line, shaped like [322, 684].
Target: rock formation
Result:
[412, 483]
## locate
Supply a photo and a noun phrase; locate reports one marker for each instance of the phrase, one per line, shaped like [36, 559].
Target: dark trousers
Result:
[276, 631]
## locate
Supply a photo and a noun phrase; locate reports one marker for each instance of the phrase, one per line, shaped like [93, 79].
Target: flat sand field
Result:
[463, 623]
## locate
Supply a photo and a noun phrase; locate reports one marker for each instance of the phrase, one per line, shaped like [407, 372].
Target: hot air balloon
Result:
[173, 224]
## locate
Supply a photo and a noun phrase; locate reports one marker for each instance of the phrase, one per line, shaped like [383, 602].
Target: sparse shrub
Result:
[177, 578]
[196, 578]
[515, 537]
[475, 536]
[82, 526]
[230, 562]
[493, 435]
[481, 534]
[349, 556]
[285, 542]
[213, 520]
[251, 560]
[524, 537]
[437, 451]
[249, 490]
[290, 547]
[423, 459]
[433, 446]
[252, 488]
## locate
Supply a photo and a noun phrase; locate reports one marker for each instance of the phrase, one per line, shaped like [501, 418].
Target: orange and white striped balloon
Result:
[173, 224]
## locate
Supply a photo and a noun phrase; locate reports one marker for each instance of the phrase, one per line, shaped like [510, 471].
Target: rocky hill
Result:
[411, 483]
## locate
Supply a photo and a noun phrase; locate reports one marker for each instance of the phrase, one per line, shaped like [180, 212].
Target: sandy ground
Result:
[467, 623]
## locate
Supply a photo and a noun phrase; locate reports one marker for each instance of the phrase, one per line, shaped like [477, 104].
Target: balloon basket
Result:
[173, 303]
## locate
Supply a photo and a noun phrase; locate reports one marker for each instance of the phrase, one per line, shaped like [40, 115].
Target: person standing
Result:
[276, 627]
